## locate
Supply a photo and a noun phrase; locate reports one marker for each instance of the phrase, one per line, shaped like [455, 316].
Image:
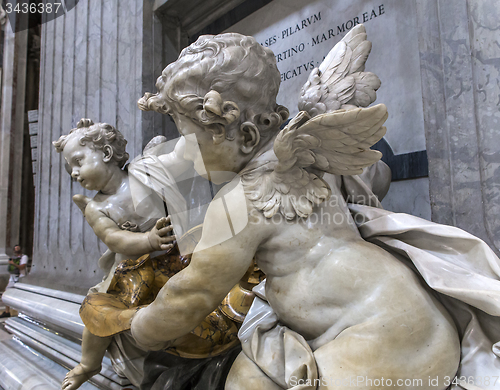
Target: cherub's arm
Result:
[125, 242]
[175, 161]
[189, 296]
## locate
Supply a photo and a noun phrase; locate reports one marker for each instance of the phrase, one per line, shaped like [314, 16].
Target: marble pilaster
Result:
[5, 136]
[460, 63]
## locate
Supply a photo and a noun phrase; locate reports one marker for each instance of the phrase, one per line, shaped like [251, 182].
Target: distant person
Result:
[17, 270]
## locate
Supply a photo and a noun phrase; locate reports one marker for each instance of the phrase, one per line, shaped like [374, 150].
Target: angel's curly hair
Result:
[211, 72]
[96, 136]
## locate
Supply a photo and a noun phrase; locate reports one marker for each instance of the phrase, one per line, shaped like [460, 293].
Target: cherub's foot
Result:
[77, 377]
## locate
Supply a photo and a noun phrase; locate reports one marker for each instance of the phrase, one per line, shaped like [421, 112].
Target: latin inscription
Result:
[310, 42]
[346, 26]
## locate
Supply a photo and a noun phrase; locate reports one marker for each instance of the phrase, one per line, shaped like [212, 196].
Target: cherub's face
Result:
[88, 166]
[218, 162]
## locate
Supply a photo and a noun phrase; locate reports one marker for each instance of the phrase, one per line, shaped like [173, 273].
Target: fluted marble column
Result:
[7, 88]
[11, 138]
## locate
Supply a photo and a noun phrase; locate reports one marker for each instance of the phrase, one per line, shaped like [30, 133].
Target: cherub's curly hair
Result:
[213, 71]
[96, 136]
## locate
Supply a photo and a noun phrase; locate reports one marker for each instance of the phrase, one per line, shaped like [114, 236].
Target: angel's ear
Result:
[108, 153]
[251, 137]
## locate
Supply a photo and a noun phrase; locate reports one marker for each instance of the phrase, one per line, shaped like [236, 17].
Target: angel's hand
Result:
[81, 201]
[158, 236]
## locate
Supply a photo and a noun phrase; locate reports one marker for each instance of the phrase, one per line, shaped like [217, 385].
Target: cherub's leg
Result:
[245, 374]
[93, 350]
[367, 357]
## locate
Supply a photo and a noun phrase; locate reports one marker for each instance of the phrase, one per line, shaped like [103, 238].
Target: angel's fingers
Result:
[162, 222]
[166, 246]
[167, 239]
[164, 231]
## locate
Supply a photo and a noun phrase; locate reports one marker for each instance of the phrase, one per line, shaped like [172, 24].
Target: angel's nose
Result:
[75, 173]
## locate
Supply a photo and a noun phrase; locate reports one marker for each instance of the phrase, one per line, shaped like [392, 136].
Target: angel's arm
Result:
[189, 296]
[126, 242]
[174, 161]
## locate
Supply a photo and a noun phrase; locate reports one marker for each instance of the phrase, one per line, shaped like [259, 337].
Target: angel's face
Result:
[216, 162]
[89, 167]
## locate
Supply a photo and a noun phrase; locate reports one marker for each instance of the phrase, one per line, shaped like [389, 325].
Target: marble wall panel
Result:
[484, 19]
[460, 62]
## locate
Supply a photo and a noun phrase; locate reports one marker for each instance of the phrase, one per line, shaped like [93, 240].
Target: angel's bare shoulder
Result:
[95, 211]
[88, 206]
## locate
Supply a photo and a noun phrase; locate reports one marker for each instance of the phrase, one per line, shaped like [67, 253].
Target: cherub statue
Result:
[96, 156]
[334, 306]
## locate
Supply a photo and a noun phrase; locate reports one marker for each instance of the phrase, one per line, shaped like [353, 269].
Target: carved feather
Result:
[340, 81]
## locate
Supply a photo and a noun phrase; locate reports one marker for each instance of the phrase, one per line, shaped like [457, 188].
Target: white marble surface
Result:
[59, 349]
[70, 297]
[23, 368]
[4, 335]
[60, 358]
[394, 58]
[46, 309]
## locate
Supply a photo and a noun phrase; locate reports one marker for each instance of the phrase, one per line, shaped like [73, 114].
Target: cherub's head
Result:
[94, 153]
[223, 89]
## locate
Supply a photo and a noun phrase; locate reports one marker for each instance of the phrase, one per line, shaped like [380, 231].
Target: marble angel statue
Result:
[352, 292]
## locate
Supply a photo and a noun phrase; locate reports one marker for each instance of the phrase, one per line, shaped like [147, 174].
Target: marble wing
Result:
[340, 82]
[338, 143]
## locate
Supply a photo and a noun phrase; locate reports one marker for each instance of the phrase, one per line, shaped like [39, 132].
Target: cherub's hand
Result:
[158, 236]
